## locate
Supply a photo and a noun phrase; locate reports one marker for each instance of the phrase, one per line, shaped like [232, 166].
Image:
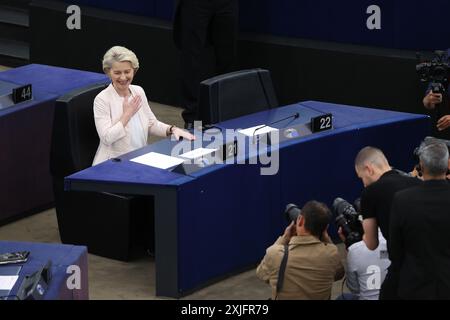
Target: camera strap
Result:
[282, 268]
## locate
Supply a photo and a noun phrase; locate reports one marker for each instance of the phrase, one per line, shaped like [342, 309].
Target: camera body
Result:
[349, 220]
[436, 72]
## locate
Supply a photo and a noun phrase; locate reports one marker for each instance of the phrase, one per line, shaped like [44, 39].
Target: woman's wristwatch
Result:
[170, 130]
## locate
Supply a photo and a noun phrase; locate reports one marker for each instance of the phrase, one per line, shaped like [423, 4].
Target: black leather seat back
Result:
[74, 137]
[236, 94]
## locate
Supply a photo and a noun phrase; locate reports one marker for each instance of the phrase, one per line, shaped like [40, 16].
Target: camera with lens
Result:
[292, 212]
[349, 220]
[435, 72]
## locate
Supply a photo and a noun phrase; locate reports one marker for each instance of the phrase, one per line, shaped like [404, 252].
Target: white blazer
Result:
[115, 139]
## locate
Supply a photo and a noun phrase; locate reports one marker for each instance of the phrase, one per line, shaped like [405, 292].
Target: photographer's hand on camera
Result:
[289, 232]
[326, 237]
[432, 99]
[416, 172]
[443, 123]
[341, 235]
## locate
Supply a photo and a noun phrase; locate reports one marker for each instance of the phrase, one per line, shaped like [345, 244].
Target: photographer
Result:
[417, 170]
[381, 182]
[366, 269]
[419, 245]
[314, 262]
[437, 95]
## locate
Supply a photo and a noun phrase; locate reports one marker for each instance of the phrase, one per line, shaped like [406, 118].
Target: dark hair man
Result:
[313, 260]
[419, 245]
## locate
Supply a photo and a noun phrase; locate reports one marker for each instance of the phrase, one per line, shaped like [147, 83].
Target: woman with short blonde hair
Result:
[122, 115]
[119, 54]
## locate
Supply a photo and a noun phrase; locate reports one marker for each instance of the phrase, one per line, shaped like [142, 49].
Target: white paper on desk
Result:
[250, 132]
[7, 282]
[197, 153]
[158, 160]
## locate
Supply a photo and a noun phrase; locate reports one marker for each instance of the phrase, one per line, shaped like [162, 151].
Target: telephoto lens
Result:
[340, 206]
[292, 212]
[348, 219]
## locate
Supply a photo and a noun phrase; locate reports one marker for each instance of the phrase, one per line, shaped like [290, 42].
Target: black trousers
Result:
[389, 287]
[440, 111]
[202, 22]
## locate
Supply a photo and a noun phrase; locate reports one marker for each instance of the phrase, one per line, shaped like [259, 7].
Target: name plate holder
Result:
[23, 93]
[322, 123]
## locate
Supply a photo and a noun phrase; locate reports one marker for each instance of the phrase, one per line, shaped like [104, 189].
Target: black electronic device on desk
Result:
[10, 266]
[14, 257]
[34, 286]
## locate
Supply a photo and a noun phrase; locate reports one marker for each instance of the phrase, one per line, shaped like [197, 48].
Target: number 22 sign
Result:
[322, 123]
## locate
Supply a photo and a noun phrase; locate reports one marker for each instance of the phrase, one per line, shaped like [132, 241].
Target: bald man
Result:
[381, 183]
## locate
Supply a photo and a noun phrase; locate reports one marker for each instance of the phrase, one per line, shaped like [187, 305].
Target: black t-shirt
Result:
[376, 199]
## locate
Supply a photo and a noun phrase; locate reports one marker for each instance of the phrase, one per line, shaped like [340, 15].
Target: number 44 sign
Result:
[23, 93]
[322, 123]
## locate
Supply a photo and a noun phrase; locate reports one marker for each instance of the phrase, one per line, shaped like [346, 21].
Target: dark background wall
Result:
[315, 67]
[406, 24]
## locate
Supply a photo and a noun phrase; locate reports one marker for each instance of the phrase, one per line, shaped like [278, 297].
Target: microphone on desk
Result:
[294, 116]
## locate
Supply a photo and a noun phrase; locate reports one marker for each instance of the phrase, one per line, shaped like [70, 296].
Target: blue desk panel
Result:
[220, 219]
[25, 136]
[51, 79]
[62, 256]
[25, 131]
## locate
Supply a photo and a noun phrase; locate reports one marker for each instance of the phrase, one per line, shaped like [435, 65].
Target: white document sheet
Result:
[7, 282]
[250, 132]
[158, 160]
[197, 153]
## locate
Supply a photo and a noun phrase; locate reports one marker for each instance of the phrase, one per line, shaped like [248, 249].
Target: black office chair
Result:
[110, 225]
[236, 94]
